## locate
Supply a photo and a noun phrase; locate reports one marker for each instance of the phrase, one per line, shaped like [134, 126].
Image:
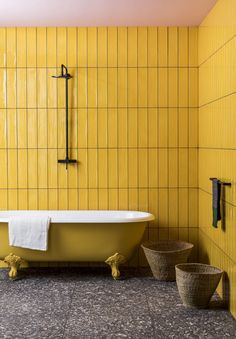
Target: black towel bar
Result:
[222, 183]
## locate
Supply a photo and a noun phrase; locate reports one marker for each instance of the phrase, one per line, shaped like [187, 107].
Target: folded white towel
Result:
[29, 232]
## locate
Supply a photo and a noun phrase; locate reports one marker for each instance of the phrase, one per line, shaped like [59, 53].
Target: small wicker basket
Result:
[197, 283]
[163, 255]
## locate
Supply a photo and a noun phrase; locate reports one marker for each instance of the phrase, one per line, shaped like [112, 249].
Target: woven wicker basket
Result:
[197, 283]
[163, 255]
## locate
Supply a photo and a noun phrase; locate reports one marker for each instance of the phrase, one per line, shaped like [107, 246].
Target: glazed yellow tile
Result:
[112, 128]
[42, 199]
[12, 202]
[142, 168]
[11, 128]
[173, 208]
[41, 88]
[132, 87]
[123, 168]
[133, 199]
[73, 117]
[152, 46]
[122, 87]
[142, 87]
[31, 46]
[42, 128]
[183, 167]
[112, 53]
[152, 87]
[61, 44]
[3, 58]
[82, 87]
[52, 168]
[162, 87]
[11, 88]
[172, 87]
[92, 168]
[82, 46]
[112, 87]
[113, 168]
[193, 42]
[102, 46]
[11, 47]
[172, 46]
[163, 219]
[122, 127]
[92, 199]
[152, 127]
[41, 36]
[21, 88]
[83, 199]
[173, 126]
[51, 46]
[12, 168]
[21, 42]
[32, 168]
[132, 46]
[42, 168]
[153, 168]
[92, 87]
[72, 199]
[31, 94]
[103, 199]
[133, 167]
[183, 207]
[82, 128]
[162, 41]
[3, 169]
[142, 127]
[102, 87]
[183, 126]
[102, 127]
[72, 46]
[52, 199]
[183, 37]
[102, 168]
[142, 46]
[113, 199]
[3, 128]
[183, 84]
[123, 199]
[92, 47]
[173, 167]
[92, 128]
[163, 167]
[162, 127]
[122, 46]
[22, 199]
[132, 127]
[153, 204]
[62, 199]
[61, 121]
[3, 91]
[22, 172]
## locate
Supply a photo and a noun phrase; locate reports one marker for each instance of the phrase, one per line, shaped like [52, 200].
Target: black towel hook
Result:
[221, 182]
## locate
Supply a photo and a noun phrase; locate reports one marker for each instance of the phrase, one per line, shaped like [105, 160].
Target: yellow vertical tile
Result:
[102, 87]
[162, 46]
[102, 46]
[102, 168]
[11, 47]
[193, 127]
[22, 172]
[73, 123]
[92, 199]
[153, 167]
[122, 87]
[132, 87]
[183, 127]
[162, 87]
[183, 234]
[12, 168]
[152, 87]
[142, 87]
[193, 208]
[112, 87]
[31, 94]
[21, 88]
[3, 59]
[72, 46]
[112, 128]
[103, 199]
[52, 168]
[162, 127]
[92, 87]
[3, 199]
[173, 167]
[132, 46]
[172, 46]
[153, 205]
[43, 199]
[113, 199]
[183, 87]
[32, 199]
[143, 199]
[11, 88]
[123, 199]
[21, 42]
[52, 199]
[142, 127]
[163, 215]
[193, 167]
[12, 128]
[32, 128]
[42, 168]
[61, 46]
[163, 167]
[82, 128]
[12, 200]
[123, 168]
[83, 199]
[173, 207]
[122, 47]
[152, 46]
[62, 199]
[133, 167]
[3, 169]
[52, 128]
[183, 46]
[82, 47]
[3, 128]
[51, 88]
[193, 43]
[112, 36]
[183, 167]
[142, 168]
[22, 199]
[92, 128]
[32, 155]
[102, 127]
[133, 199]
[83, 87]
[132, 127]
[82, 168]
[61, 171]
[122, 128]
[112, 168]
[41, 36]
[92, 47]
[31, 46]
[3, 91]
[183, 207]
[72, 199]
[41, 88]
[193, 87]
[42, 128]
[61, 121]
[51, 46]
[172, 87]
[142, 46]
[173, 126]
[92, 168]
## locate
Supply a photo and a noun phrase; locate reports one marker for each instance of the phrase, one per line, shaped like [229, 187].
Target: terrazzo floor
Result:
[86, 303]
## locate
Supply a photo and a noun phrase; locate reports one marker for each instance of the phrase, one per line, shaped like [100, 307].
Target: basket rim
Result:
[144, 246]
[219, 270]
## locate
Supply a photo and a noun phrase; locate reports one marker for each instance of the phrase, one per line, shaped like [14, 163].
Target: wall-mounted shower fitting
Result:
[65, 75]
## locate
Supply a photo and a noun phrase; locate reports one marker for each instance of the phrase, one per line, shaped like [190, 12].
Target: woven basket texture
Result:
[197, 283]
[163, 255]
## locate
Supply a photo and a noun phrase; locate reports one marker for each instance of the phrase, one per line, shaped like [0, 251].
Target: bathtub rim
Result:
[72, 216]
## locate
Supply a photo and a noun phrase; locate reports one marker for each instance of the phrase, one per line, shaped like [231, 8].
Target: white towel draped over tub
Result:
[29, 232]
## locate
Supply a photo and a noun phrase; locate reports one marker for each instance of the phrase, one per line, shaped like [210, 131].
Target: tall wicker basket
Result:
[163, 255]
[197, 283]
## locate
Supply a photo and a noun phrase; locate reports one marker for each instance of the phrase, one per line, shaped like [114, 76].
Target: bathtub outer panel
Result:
[81, 242]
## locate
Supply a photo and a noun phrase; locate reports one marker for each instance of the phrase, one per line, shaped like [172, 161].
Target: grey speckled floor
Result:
[85, 303]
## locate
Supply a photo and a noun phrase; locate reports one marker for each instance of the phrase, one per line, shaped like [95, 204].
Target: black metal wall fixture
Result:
[65, 75]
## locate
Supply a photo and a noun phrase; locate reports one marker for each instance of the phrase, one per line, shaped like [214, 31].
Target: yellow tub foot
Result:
[14, 262]
[114, 261]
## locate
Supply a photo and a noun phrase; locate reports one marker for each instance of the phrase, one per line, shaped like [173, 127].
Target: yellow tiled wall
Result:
[133, 122]
[217, 140]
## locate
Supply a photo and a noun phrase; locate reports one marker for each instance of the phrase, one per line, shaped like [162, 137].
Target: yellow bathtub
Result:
[110, 236]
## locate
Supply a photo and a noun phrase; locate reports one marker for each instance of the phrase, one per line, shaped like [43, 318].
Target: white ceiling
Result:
[103, 12]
